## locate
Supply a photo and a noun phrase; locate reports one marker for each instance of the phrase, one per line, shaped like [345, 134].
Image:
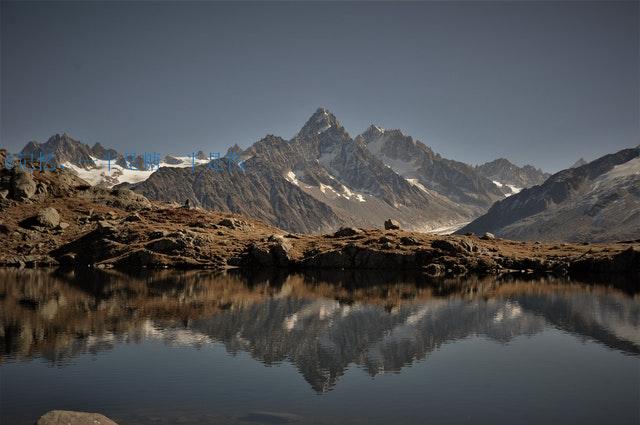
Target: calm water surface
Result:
[200, 348]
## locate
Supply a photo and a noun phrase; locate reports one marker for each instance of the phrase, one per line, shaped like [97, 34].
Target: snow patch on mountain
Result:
[108, 173]
[417, 184]
[346, 193]
[292, 178]
[514, 189]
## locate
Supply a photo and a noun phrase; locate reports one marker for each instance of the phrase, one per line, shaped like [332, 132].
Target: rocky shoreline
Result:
[56, 219]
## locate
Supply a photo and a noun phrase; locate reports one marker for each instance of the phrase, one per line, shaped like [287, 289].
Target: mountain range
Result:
[320, 179]
[323, 178]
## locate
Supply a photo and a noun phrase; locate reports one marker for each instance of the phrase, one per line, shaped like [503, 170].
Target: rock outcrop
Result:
[48, 217]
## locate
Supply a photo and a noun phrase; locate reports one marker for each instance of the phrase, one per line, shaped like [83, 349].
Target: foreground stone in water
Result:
[67, 417]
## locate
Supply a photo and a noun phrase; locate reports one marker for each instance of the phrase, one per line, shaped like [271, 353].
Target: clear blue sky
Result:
[537, 82]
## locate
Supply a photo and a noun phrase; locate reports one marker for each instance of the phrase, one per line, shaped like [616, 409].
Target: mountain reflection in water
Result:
[322, 324]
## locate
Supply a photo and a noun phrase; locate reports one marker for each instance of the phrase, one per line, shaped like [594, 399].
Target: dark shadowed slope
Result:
[598, 201]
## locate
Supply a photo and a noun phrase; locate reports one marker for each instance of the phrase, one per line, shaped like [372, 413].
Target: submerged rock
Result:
[67, 417]
[166, 245]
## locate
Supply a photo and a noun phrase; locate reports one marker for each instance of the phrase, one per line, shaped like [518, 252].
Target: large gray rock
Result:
[129, 200]
[67, 417]
[167, 245]
[48, 217]
[276, 254]
[22, 185]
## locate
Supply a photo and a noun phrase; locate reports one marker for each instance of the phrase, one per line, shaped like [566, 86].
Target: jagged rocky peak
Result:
[371, 133]
[268, 142]
[100, 152]
[500, 162]
[321, 121]
[376, 135]
[271, 151]
[98, 148]
[62, 140]
[504, 172]
[61, 148]
[234, 150]
[30, 147]
[393, 144]
[375, 132]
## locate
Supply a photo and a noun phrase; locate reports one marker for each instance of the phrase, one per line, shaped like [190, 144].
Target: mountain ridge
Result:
[320, 179]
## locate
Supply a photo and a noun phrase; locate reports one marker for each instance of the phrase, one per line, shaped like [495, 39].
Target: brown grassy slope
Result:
[123, 229]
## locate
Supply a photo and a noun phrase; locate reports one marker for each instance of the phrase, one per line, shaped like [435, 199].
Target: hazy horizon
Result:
[540, 83]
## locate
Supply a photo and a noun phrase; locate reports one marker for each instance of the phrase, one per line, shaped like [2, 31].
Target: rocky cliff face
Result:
[428, 171]
[598, 201]
[259, 191]
[61, 149]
